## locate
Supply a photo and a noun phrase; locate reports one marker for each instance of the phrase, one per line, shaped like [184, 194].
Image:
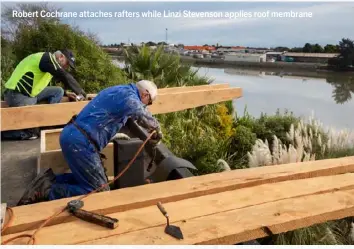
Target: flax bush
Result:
[166, 70]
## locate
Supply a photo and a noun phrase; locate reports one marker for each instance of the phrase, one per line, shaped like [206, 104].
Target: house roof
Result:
[318, 55]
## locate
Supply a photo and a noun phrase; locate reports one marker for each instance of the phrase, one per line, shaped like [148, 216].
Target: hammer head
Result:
[75, 205]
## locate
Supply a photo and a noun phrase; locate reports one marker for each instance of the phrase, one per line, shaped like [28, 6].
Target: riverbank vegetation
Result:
[214, 137]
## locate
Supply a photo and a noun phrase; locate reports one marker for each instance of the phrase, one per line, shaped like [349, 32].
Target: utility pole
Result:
[166, 35]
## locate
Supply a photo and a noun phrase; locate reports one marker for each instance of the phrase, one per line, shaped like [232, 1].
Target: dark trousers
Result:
[52, 94]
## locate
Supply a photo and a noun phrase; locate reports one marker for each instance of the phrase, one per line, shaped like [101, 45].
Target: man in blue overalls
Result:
[88, 133]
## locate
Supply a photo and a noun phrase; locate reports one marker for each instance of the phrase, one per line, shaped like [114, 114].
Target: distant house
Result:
[308, 57]
[273, 56]
[199, 48]
[245, 57]
[233, 49]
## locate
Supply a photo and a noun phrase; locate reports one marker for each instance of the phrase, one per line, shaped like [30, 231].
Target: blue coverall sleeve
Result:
[142, 115]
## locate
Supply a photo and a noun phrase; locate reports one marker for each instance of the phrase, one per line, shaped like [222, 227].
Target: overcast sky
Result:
[329, 23]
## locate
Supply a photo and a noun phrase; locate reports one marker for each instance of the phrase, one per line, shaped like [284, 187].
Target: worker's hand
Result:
[71, 96]
[74, 97]
[157, 137]
[80, 97]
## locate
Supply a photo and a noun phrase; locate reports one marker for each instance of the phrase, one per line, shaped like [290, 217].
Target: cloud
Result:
[330, 23]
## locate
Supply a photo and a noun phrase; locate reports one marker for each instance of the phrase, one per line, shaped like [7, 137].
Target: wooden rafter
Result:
[59, 114]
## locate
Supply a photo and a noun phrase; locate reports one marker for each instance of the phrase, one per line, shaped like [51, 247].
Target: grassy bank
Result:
[214, 137]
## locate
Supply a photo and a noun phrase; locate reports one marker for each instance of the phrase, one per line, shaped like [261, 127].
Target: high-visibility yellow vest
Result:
[28, 68]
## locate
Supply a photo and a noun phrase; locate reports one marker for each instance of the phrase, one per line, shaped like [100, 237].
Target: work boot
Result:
[38, 190]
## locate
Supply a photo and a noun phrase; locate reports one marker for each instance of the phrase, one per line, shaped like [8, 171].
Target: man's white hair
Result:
[149, 86]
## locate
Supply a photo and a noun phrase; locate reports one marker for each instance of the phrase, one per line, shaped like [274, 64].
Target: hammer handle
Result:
[98, 219]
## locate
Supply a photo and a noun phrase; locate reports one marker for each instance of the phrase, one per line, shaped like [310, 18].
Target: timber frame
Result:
[15, 118]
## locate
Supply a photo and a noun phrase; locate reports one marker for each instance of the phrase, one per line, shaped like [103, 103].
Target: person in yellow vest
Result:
[28, 84]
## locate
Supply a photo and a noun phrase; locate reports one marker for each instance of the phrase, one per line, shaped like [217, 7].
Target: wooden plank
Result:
[160, 91]
[240, 225]
[146, 218]
[192, 88]
[58, 114]
[171, 191]
[63, 100]
[181, 89]
[50, 139]
[174, 102]
[54, 159]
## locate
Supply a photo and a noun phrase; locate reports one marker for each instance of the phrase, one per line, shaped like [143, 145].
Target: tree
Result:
[317, 48]
[329, 48]
[307, 48]
[11, 24]
[150, 43]
[296, 50]
[95, 69]
[346, 51]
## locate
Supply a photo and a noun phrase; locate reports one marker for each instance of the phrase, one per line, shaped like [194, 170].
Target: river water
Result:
[327, 96]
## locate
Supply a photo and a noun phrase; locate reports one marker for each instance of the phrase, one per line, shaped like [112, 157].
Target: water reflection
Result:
[343, 87]
[327, 95]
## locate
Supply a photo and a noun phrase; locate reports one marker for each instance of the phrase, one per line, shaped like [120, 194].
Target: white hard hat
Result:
[149, 86]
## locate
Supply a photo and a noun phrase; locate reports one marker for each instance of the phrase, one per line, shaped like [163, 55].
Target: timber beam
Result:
[15, 118]
[160, 91]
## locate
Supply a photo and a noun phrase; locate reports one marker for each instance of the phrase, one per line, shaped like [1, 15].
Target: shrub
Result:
[94, 68]
[166, 70]
[190, 134]
[241, 143]
[7, 62]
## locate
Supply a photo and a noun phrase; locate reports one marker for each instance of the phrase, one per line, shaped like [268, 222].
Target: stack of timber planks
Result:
[220, 208]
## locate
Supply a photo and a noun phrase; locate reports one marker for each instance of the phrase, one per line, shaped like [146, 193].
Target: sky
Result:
[330, 22]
